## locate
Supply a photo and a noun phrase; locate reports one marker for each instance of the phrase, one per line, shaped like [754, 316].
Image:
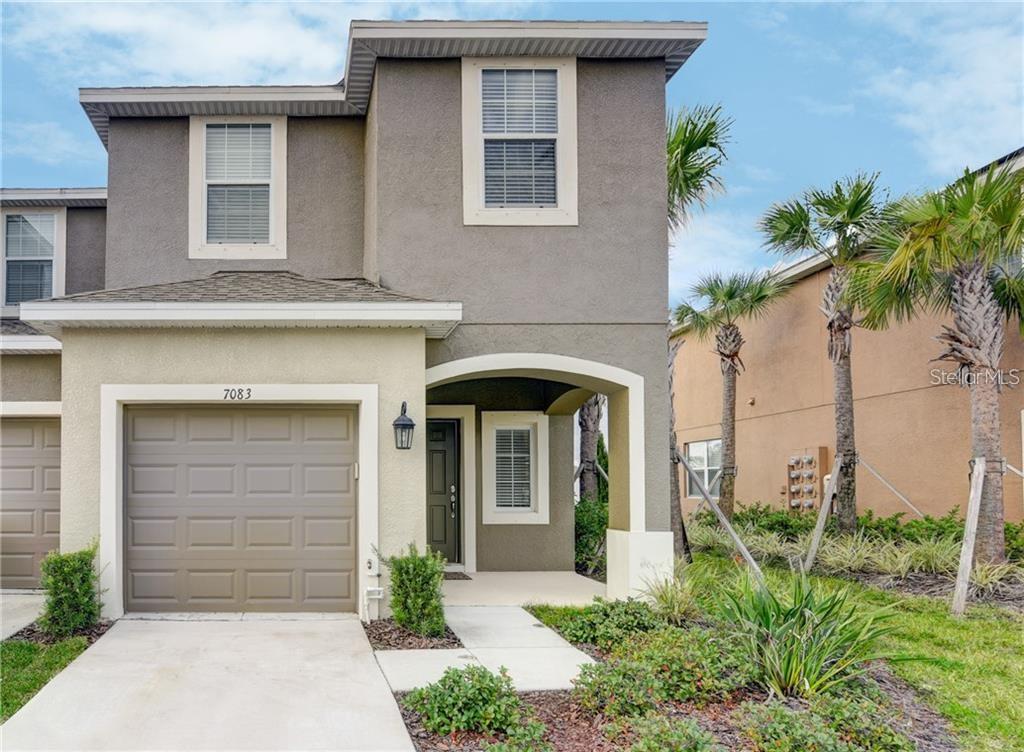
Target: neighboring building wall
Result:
[147, 217]
[914, 433]
[30, 378]
[86, 250]
[393, 359]
[522, 547]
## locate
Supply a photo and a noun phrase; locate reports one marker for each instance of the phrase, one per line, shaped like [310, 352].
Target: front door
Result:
[443, 497]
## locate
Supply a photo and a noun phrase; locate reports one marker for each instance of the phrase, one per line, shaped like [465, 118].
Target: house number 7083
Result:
[238, 393]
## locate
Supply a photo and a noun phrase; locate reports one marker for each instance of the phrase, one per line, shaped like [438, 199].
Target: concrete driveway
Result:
[216, 685]
[18, 608]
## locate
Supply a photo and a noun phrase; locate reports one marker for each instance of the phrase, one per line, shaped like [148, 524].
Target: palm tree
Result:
[952, 251]
[720, 303]
[695, 152]
[834, 222]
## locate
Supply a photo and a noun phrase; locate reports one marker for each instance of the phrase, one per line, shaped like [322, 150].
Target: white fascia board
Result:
[28, 344]
[211, 94]
[438, 318]
[52, 194]
[528, 30]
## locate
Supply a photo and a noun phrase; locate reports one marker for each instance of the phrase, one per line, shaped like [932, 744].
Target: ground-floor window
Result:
[515, 468]
[705, 457]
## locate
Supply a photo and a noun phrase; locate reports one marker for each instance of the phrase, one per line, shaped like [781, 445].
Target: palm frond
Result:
[788, 229]
[695, 152]
[1009, 290]
[722, 299]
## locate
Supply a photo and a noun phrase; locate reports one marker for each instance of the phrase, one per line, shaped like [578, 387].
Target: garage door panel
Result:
[29, 497]
[241, 509]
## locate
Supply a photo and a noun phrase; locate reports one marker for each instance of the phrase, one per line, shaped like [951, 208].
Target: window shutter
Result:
[512, 468]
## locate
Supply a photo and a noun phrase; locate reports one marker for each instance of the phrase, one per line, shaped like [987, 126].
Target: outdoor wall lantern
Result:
[403, 426]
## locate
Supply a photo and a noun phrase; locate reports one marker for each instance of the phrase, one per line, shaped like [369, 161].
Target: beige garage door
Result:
[29, 497]
[240, 509]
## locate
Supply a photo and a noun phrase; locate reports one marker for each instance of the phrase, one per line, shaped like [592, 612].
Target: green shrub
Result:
[695, 664]
[767, 519]
[805, 644]
[72, 590]
[660, 734]
[892, 558]
[617, 689]
[591, 530]
[774, 727]
[467, 699]
[1015, 541]
[607, 623]
[862, 723]
[526, 737]
[708, 537]
[842, 554]
[935, 555]
[989, 578]
[673, 598]
[416, 591]
[770, 548]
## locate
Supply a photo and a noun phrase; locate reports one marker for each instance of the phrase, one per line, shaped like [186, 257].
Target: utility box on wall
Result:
[805, 473]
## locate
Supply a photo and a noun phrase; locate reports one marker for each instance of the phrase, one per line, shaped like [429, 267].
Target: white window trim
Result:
[60, 248]
[277, 248]
[707, 476]
[474, 212]
[537, 422]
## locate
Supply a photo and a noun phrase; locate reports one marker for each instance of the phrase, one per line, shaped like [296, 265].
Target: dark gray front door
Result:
[443, 498]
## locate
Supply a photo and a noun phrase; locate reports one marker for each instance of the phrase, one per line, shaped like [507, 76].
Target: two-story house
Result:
[329, 321]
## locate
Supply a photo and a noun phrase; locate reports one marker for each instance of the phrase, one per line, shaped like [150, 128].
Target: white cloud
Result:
[110, 44]
[820, 107]
[715, 241]
[962, 102]
[48, 143]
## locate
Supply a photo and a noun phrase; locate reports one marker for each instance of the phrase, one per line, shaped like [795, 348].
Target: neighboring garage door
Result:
[240, 509]
[29, 497]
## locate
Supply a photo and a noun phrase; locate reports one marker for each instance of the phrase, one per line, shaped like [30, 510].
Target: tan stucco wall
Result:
[393, 359]
[913, 432]
[30, 378]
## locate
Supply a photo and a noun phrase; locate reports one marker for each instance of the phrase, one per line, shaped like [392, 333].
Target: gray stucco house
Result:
[202, 363]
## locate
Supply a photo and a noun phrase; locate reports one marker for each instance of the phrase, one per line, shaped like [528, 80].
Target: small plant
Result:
[862, 723]
[72, 590]
[617, 689]
[672, 598]
[775, 727]
[935, 555]
[846, 553]
[769, 547]
[767, 519]
[660, 734]
[893, 559]
[591, 529]
[693, 665]
[607, 623]
[467, 699]
[528, 736]
[416, 591]
[708, 537]
[806, 644]
[990, 578]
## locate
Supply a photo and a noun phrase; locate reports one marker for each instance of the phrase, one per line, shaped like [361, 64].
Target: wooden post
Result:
[889, 485]
[700, 504]
[963, 572]
[724, 521]
[823, 513]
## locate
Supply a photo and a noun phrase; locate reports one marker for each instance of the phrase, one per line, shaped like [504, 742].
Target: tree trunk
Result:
[846, 487]
[727, 494]
[990, 545]
[590, 426]
[680, 543]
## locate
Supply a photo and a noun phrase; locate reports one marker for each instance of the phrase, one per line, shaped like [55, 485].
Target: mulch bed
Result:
[1007, 594]
[32, 633]
[926, 728]
[457, 576]
[385, 634]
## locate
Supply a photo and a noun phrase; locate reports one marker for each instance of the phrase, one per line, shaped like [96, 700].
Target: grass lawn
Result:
[971, 670]
[25, 667]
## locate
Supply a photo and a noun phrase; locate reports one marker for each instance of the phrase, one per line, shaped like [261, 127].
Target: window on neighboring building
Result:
[32, 255]
[705, 457]
[515, 468]
[237, 185]
[519, 141]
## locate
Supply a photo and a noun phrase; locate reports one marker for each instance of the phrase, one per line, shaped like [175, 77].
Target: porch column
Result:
[636, 555]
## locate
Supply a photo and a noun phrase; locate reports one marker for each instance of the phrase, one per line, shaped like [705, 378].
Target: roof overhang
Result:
[674, 41]
[72, 197]
[28, 344]
[437, 319]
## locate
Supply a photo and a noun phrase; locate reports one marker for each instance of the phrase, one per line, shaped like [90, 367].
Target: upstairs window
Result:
[237, 181]
[33, 254]
[519, 141]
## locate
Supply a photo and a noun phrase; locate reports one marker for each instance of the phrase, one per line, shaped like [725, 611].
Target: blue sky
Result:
[916, 91]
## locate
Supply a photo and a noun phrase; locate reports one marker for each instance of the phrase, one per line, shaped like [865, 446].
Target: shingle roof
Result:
[9, 327]
[249, 287]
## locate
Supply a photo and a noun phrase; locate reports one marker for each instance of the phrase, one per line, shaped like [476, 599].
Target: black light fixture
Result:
[403, 426]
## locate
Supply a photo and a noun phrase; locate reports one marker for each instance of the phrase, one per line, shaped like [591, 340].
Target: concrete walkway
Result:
[216, 685]
[521, 589]
[493, 636]
[18, 608]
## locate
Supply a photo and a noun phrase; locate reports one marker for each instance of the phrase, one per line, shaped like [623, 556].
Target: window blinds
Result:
[512, 468]
[238, 167]
[28, 246]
